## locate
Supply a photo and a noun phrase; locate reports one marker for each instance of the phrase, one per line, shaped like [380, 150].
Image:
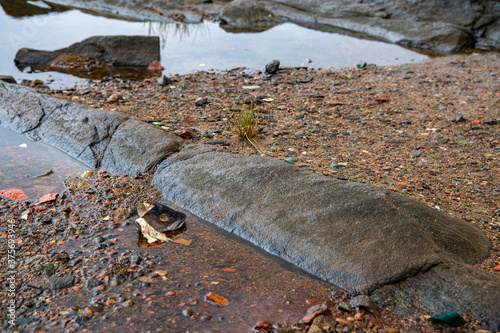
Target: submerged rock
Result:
[112, 50]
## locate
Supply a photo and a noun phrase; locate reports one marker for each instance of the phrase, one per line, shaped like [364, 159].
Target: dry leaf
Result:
[182, 241]
[216, 299]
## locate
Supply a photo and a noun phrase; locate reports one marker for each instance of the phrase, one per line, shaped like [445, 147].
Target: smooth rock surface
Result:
[113, 50]
[448, 287]
[85, 133]
[353, 235]
[137, 147]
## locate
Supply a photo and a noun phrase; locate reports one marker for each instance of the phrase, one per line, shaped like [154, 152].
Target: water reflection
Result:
[185, 48]
[23, 161]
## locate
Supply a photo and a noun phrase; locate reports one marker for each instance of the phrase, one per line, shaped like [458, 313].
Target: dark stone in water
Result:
[113, 50]
[161, 217]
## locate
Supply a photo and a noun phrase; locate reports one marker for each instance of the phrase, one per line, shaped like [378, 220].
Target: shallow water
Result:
[188, 48]
[22, 160]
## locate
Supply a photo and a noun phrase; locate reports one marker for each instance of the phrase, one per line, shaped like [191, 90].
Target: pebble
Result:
[417, 153]
[272, 67]
[366, 303]
[188, 313]
[460, 119]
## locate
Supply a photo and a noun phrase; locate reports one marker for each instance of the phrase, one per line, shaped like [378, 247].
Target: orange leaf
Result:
[14, 194]
[182, 241]
[497, 268]
[47, 198]
[5, 235]
[344, 322]
[216, 299]
[229, 269]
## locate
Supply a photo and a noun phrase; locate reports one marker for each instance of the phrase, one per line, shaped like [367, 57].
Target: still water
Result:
[23, 162]
[186, 48]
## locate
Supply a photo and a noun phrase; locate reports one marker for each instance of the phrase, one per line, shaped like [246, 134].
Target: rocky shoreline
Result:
[368, 117]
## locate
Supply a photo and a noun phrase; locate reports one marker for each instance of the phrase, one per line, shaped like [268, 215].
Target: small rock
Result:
[366, 303]
[164, 81]
[491, 122]
[188, 313]
[322, 324]
[8, 79]
[417, 153]
[313, 312]
[460, 119]
[273, 66]
[201, 101]
[291, 160]
[344, 306]
[351, 117]
[113, 98]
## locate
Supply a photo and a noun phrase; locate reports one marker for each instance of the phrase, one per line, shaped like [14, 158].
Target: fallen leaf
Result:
[344, 322]
[497, 268]
[216, 299]
[47, 198]
[229, 269]
[14, 194]
[182, 241]
[5, 235]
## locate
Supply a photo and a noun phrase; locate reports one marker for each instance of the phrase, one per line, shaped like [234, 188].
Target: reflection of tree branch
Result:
[182, 31]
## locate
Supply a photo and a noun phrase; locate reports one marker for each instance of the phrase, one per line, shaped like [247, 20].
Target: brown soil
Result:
[429, 131]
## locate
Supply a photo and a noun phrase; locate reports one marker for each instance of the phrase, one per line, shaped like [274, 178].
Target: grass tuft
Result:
[244, 124]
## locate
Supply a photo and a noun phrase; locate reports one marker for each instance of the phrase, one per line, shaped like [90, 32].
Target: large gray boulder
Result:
[113, 50]
[356, 236]
[97, 138]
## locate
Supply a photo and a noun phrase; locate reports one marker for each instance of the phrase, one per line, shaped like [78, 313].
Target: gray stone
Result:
[8, 79]
[353, 235]
[81, 132]
[95, 137]
[447, 287]
[113, 50]
[273, 66]
[136, 147]
[22, 109]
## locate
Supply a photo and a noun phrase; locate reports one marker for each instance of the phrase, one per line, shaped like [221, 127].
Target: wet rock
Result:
[113, 50]
[77, 184]
[8, 79]
[491, 121]
[273, 66]
[322, 324]
[460, 119]
[400, 236]
[313, 312]
[463, 288]
[366, 303]
[344, 306]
